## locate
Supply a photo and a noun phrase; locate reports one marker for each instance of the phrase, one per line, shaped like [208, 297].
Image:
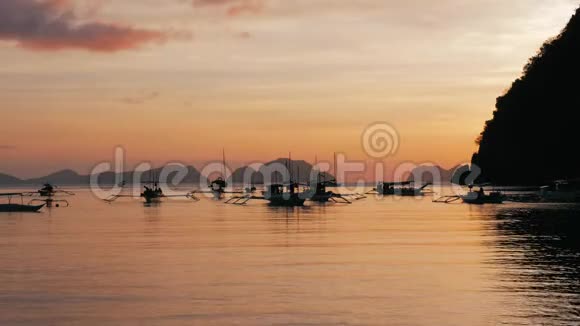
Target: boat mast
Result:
[298, 168]
[224, 163]
[318, 173]
[335, 169]
[290, 167]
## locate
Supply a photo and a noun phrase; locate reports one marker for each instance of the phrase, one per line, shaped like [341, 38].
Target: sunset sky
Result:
[178, 80]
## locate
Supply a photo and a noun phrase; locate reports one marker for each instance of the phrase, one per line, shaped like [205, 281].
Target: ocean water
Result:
[394, 261]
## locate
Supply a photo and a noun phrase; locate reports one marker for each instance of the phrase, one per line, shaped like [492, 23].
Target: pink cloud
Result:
[52, 25]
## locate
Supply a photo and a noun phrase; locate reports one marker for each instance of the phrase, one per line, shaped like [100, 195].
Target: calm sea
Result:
[375, 262]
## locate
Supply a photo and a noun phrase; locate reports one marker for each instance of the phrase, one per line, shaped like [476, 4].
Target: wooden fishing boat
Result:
[479, 197]
[404, 189]
[15, 207]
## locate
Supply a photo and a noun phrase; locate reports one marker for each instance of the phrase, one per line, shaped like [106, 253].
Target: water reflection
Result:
[400, 262]
[538, 254]
[288, 213]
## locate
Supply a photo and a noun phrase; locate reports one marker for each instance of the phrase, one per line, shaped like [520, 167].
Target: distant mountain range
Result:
[9, 180]
[69, 177]
[301, 172]
[458, 174]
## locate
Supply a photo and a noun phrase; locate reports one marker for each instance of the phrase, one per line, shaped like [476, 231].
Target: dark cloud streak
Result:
[141, 98]
[233, 7]
[52, 25]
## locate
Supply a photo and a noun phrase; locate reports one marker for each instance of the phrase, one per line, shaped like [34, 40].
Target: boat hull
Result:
[286, 203]
[477, 199]
[152, 200]
[322, 197]
[402, 192]
[9, 208]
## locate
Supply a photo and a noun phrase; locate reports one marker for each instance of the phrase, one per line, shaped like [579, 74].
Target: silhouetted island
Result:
[533, 136]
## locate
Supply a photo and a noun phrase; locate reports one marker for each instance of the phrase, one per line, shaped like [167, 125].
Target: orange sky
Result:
[180, 79]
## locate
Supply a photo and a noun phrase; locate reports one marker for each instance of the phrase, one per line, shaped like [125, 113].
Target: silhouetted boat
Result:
[12, 207]
[152, 194]
[321, 194]
[279, 195]
[48, 192]
[7, 208]
[474, 197]
[218, 188]
[480, 197]
[219, 185]
[561, 191]
[405, 189]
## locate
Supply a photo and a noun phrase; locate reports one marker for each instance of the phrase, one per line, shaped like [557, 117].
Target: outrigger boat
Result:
[478, 197]
[290, 194]
[405, 189]
[48, 192]
[561, 191]
[152, 194]
[277, 194]
[320, 193]
[12, 207]
[218, 187]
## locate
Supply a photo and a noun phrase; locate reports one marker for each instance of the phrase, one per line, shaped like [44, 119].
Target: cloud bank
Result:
[52, 25]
